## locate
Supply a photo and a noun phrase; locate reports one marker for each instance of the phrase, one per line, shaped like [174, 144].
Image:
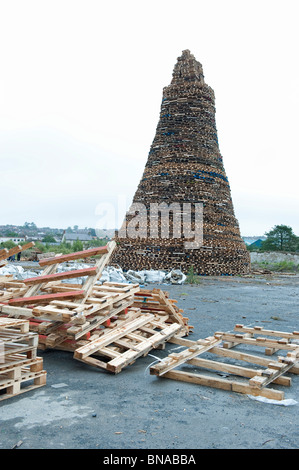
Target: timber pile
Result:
[227, 345]
[185, 166]
[21, 370]
[157, 301]
[93, 320]
[10, 288]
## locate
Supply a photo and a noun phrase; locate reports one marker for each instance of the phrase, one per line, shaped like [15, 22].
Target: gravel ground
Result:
[86, 408]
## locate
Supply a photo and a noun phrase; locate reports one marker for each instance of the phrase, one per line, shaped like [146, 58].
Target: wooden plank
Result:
[16, 311]
[233, 369]
[61, 276]
[100, 264]
[15, 250]
[3, 253]
[239, 355]
[73, 256]
[92, 361]
[46, 298]
[223, 384]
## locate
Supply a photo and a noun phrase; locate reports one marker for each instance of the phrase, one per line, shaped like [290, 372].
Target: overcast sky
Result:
[80, 93]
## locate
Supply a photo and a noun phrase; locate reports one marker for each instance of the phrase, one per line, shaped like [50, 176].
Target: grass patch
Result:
[281, 266]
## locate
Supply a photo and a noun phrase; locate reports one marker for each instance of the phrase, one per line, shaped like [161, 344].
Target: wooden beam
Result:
[234, 370]
[100, 250]
[224, 384]
[46, 298]
[100, 265]
[60, 276]
[15, 250]
[3, 253]
[15, 311]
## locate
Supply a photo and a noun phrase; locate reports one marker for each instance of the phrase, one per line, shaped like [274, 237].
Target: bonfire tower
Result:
[185, 166]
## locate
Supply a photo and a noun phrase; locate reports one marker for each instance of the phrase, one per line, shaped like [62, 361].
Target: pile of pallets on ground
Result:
[9, 288]
[237, 348]
[21, 369]
[108, 325]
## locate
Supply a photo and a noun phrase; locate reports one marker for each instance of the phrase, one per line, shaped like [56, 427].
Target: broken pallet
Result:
[257, 380]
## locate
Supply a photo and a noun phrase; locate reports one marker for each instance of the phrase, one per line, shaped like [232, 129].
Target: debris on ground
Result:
[254, 381]
[21, 370]
[104, 324]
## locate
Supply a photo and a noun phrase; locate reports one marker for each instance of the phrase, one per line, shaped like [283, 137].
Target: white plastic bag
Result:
[175, 276]
[156, 277]
[286, 402]
[135, 276]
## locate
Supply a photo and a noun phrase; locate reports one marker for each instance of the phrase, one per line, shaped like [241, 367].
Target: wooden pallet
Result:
[157, 301]
[28, 381]
[32, 289]
[71, 316]
[21, 369]
[124, 344]
[10, 288]
[64, 320]
[16, 340]
[248, 335]
[253, 381]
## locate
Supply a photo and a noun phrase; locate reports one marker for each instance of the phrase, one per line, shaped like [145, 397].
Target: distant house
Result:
[13, 239]
[251, 240]
[257, 243]
[72, 237]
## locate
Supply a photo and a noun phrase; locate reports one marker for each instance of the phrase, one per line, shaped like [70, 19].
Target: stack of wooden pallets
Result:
[10, 288]
[157, 301]
[236, 347]
[21, 370]
[184, 166]
[108, 320]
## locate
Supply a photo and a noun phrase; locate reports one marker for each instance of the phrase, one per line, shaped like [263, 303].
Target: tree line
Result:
[279, 238]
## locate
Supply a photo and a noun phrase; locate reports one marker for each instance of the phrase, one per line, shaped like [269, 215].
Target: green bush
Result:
[192, 278]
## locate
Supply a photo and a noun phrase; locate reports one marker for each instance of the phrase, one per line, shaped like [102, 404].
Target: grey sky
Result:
[80, 93]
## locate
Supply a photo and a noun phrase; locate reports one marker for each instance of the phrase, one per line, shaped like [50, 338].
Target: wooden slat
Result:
[46, 298]
[61, 276]
[100, 265]
[223, 384]
[233, 369]
[15, 250]
[73, 256]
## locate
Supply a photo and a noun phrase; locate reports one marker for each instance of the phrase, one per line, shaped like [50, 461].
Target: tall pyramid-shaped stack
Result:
[185, 166]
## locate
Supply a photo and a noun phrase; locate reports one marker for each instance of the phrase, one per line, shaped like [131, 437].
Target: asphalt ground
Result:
[82, 407]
